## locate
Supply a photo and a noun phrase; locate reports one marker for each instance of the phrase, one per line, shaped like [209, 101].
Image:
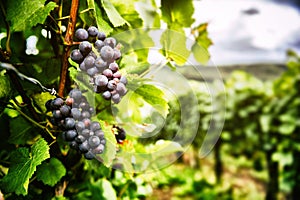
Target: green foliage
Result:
[28, 13]
[23, 164]
[51, 172]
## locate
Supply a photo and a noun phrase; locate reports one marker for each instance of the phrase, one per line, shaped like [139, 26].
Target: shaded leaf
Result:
[50, 173]
[114, 16]
[23, 164]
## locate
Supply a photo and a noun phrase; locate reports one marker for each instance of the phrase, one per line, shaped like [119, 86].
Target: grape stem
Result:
[68, 42]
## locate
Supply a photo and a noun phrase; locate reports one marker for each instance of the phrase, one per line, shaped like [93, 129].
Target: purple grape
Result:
[70, 135]
[57, 103]
[113, 67]
[99, 149]
[95, 126]
[85, 114]
[70, 123]
[99, 133]
[87, 122]
[85, 47]
[111, 84]
[89, 155]
[116, 98]
[94, 141]
[65, 110]
[92, 31]
[111, 42]
[92, 71]
[101, 36]
[117, 74]
[76, 56]
[99, 44]
[108, 73]
[100, 80]
[75, 113]
[107, 53]
[82, 66]
[123, 80]
[81, 34]
[84, 106]
[57, 114]
[89, 62]
[100, 64]
[106, 95]
[80, 139]
[80, 126]
[117, 54]
[84, 147]
[85, 133]
[121, 89]
[75, 94]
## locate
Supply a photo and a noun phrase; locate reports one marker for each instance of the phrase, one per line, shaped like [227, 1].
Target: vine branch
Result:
[68, 42]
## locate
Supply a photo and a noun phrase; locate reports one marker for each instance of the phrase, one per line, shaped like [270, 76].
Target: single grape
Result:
[116, 98]
[93, 31]
[94, 141]
[69, 101]
[57, 114]
[65, 110]
[49, 106]
[73, 144]
[123, 80]
[76, 56]
[111, 84]
[81, 34]
[107, 53]
[111, 42]
[117, 54]
[99, 133]
[121, 89]
[89, 155]
[84, 147]
[99, 149]
[82, 67]
[117, 74]
[100, 80]
[103, 141]
[108, 73]
[85, 114]
[100, 64]
[92, 71]
[75, 94]
[87, 122]
[70, 123]
[89, 62]
[84, 106]
[57, 103]
[85, 133]
[80, 126]
[85, 47]
[113, 67]
[99, 44]
[92, 53]
[91, 110]
[75, 113]
[91, 133]
[101, 36]
[80, 139]
[106, 95]
[70, 135]
[95, 126]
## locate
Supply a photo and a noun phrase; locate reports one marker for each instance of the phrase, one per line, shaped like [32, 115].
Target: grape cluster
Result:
[97, 56]
[120, 134]
[73, 116]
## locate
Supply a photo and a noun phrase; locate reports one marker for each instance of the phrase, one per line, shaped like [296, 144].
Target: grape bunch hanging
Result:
[97, 56]
[73, 116]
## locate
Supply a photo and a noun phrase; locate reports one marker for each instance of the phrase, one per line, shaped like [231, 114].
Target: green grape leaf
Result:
[203, 42]
[51, 172]
[41, 98]
[154, 96]
[174, 47]
[22, 132]
[5, 88]
[148, 13]
[23, 164]
[177, 13]
[25, 14]
[110, 150]
[113, 15]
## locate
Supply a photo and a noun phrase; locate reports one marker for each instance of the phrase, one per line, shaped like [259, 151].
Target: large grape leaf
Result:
[50, 173]
[23, 164]
[174, 46]
[25, 14]
[113, 15]
[21, 131]
[177, 13]
[148, 13]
